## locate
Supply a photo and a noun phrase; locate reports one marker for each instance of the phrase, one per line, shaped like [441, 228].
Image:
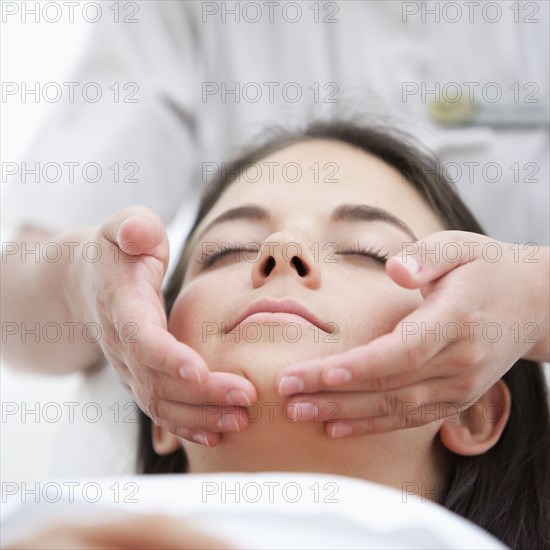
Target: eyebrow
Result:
[343, 213]
[247, 212]
[366, 213]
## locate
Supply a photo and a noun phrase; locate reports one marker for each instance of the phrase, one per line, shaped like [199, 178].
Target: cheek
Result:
[374, 307]
[200, 314]
[192, 314]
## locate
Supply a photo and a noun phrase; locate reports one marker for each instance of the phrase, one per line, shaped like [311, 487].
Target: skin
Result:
[212, 299]
[129, 532]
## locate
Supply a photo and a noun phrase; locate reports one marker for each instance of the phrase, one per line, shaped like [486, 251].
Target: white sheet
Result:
[275, 510]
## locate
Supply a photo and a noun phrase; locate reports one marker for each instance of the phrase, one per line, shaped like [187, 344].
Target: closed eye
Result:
[208, 259]
[223, 255]
[370, 251]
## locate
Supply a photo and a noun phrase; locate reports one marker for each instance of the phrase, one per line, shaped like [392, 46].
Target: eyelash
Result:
[208, 260]
[364, 250]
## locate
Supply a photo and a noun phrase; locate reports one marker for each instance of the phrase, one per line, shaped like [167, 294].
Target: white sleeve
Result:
[138, 136]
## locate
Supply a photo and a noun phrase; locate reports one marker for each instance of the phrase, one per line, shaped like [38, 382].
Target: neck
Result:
[412, 459]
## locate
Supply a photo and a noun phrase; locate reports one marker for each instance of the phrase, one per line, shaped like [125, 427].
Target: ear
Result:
[478, 428]
[164, 442]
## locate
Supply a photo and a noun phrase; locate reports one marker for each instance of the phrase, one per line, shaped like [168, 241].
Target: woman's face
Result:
[311, 217]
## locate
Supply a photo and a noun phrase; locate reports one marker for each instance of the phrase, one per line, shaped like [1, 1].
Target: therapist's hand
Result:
[486, 305]
[122, 294]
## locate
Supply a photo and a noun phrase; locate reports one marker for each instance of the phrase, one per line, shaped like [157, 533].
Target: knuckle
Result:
[368, 426]
[414, 396]
[410, 410]
[469, 313]
[412, 421]
[464, 386]
[468, 357]
[479, 355]
[388, 404]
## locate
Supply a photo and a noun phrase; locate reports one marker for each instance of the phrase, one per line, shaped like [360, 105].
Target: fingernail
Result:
[228, 424]
[302, 411]
[337, 376]
[200, 437]
[190, 373]
[291, 384]
[412, 265]
[238, 397]
[340, 429]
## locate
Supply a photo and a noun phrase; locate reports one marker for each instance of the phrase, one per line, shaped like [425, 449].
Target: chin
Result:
[269, 355]
[261, 361]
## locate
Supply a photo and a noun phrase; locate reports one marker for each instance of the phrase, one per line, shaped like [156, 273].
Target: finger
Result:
[207, 439]
[138, 230]
[415, 345]
[350, 371]
[137, 320]
[457, 359]
[422, 262]
[181, 419]
[356, 405]
[221, 387]
[410, 407]
[323, 407]
[185, 363]
[413, 415]
[153, 346]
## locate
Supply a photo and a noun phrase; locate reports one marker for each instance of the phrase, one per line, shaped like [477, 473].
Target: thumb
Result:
[426, 260]
[138, 230]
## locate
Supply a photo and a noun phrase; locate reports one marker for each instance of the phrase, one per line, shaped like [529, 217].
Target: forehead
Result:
[309, 179]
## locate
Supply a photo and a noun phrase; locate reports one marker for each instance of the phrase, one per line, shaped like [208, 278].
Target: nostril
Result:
[300, 267]
[269, 265]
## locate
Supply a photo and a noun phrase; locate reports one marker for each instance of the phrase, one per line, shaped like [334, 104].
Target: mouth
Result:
[286, 306]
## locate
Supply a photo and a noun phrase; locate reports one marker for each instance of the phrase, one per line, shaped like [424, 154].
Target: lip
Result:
[269, 305]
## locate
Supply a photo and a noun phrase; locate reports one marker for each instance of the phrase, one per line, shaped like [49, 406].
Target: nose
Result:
[286, 254]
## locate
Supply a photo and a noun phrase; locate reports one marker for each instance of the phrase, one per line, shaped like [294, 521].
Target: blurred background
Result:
[29, 52]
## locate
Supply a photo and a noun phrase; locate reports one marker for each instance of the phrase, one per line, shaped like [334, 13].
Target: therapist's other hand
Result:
[122, 294]
[144, 532]
[486, 305]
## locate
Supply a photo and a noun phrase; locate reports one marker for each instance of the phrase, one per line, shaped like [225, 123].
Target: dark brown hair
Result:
[505, 490]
